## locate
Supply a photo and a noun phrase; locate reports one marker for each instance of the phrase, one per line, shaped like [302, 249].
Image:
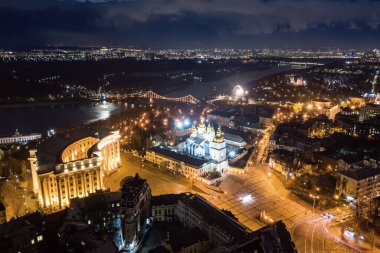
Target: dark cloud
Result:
[190, 23]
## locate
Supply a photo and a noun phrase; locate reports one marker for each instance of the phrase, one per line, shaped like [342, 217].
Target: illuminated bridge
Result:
[301, 64]
[151, 94]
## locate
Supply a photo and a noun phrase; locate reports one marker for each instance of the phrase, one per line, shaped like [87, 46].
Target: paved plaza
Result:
[160, 181]
[267, 194]
[265, 197]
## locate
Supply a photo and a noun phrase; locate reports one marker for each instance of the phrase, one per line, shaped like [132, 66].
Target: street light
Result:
[314, 197]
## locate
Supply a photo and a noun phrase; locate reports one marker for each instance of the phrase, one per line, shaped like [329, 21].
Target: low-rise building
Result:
[223, 233]
[368, 112]
[164, 206]
[191, 240]
[19, 138]
[194, 211]
[360, 184]
[189, 166]
[80, 237]
[272, 238]
[101, 211]
[33, 232]
[283, 161]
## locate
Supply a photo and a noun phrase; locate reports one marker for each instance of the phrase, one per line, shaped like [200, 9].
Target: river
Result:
[41, 118]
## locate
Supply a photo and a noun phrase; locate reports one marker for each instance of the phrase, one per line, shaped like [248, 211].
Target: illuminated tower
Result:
[194, 131]
[218, 152]
[202, 127]
[33, 165]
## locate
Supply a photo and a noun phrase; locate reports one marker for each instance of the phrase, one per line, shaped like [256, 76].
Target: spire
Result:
[209, 130]
[193, 130]
[202, 123]
[202, 126]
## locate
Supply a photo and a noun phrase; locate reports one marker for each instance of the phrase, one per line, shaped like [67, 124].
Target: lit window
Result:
[40, 238]
[32, 241]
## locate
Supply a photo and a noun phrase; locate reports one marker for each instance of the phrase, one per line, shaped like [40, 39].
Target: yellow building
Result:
[73, 165]
[189, 166]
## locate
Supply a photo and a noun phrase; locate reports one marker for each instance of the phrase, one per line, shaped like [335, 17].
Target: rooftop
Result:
[214, 217]
[193, 161]
[132, 187]
[233, 137]
[360, 174]
[184, 238]
[97, 201]
[167, 199]
[271, 238]
[49, 151]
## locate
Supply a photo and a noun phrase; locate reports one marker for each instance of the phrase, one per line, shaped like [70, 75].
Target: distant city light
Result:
[187, 122]
[179, 125]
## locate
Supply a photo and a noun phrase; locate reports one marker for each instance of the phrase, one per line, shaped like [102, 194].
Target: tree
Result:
[12, 198]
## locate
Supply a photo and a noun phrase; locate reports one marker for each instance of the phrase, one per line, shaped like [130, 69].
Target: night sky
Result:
[190, 23]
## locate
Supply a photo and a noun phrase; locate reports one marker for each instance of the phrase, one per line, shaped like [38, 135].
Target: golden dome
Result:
[194, 130]
[218, 137]
[202, 123]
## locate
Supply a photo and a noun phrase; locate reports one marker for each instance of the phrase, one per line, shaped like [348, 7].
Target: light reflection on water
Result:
[41, 118]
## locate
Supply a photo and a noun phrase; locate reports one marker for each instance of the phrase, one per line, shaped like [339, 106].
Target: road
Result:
[311, 236]
[267, 194]
[260, 153]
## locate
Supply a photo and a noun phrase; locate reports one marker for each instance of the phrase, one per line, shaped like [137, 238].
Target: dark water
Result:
[28, 119]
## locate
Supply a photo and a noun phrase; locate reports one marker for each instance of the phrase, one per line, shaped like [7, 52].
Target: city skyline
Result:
[192, 126]
[190, 24]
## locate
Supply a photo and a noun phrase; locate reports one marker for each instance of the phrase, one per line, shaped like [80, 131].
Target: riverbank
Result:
[18, 104]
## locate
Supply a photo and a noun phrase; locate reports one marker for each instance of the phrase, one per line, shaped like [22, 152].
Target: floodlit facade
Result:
[359, 184]
[19, 138]
[205, 143]
[74, 171]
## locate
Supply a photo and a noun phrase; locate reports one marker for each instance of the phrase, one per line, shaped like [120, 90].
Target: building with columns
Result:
[72, 165]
